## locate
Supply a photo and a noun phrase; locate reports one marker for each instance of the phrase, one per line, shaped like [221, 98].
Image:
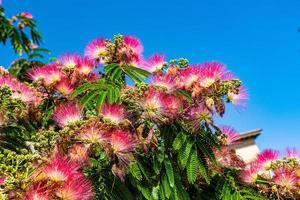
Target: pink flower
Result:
[165, 81]
[266, 157]
[122, 143]
[79, 153]
[70, 61]
[93, 133]
[171, 105]
[250, 174]
[38, 192]
[199, 114]
[211, 72]
[85, 66]
[27, 15]
[66, 114]
[153, 103]
[2, 180]
[292, 153]
[231, 135]
[189, 76]
[76, 189]
[285, 178]
[240, 98]
[112, 112]
[49, 74]
[155, 63]
[64, 86]
[133, 44]
[95, 50]
[60, 169]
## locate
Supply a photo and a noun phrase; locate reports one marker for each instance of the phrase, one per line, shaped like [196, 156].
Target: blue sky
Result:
[256, 39]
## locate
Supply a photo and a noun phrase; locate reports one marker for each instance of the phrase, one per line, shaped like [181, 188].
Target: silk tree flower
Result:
[49, 74]
[251, 174]
[285, 178]
[20, 90]
[60, 169]
[155, 63]
[113, 113]
[70, 61]
[133, 44]
[228, 158]
[165, 81]
[171, 105]
[27, 15]
[76, 189]
[231, 135]
[38, 191]
[240, 98]
[211, 72]
[266, 157]
[64, 86]
[189, 76]
[85, 66]
[66, 114]
[2, 180]
[94, 133]
[197, 115]
[153, 103]
[292, 153]
[95, 50]
[79, 153]
[122, 144]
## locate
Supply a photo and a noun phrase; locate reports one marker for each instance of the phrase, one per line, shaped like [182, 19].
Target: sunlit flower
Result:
[49, 74]
[122, 143]
[79, 153]
[211, 72]
[27, 15]
[171, 105]
[38, 192]
[240, 98]
[112, 112]
[95, 50]
[189, 76]
[227, 157]
[69, 61]
[85, 66]
[292, 153]
[266, 157]
[153, 103]
[250, 174]
[76, 189]
[133, 44]
[231, 135]
[285, 178]
[155, 63]
[165, 81]
[93, 133]
[66, 114]
[199, 114]
[64, 86]
[59, 169]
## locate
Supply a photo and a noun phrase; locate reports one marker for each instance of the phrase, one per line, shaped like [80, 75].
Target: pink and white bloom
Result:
[251, 174]
[211, 72]
[85, 66]
[66, 114]
[122, 143]
[189, 76]
[38, 192]
[112, 112]
[79, 153]
[69, 61]
[2, 180]
[153, 103]
[155, 63]
[95, 50]
[292, 153]
[48, 74]
[27, 15]
[266, 158]
[64, 86]
[232, 136]
[285, 178]
[198, 114]
[133, 44]
[93, 133]
[76, 189]
[240, 98]
[171, 105]
[165, 81]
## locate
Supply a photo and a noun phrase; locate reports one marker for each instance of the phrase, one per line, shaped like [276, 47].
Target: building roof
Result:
[249, 135]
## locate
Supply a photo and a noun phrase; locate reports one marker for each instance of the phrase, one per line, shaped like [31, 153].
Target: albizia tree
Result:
[111, 124]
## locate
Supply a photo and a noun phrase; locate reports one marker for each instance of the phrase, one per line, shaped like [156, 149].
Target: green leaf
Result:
[184, 153]
[166, 186]
[192, 167]
[179, 141]
[169, 171]
[135, 171]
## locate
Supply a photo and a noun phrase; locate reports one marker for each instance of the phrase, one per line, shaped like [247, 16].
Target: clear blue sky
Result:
[256, 39]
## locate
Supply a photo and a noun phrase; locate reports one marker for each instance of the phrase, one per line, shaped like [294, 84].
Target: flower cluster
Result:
[275, 175]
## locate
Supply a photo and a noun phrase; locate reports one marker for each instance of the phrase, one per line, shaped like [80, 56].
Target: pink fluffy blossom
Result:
[49, 74]
[250, 174]
[292, 153]
[27, 15]
[189, 76]
[64, 86]
[112, 112]
[211, 72]
[266, 157]
[38, 191]
[79, 153]
[93, 133]
[231, 135]
[133, 44]
[85, 66]
[165, 81]
[284, 177]
[95, 49]
[69, 61]
[66, 114]
[240, 98]
[155, 63]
